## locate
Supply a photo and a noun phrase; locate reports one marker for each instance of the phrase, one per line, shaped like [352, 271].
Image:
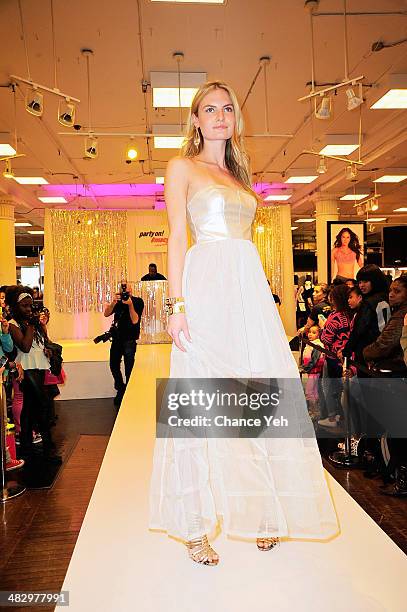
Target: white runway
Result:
[120, 566]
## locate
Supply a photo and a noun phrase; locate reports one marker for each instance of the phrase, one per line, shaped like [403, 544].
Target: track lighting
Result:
[322, 167]
[360, 210]
[66, 113]
[353, 100]
[374, 204]
[91, 148]
[8, 172]
[34, 102]
[351, 172]
[325, 110]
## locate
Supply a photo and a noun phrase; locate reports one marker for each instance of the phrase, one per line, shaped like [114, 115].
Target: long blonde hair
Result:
[236, 159]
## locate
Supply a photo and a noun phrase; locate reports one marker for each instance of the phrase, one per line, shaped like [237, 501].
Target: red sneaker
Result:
[14, 464]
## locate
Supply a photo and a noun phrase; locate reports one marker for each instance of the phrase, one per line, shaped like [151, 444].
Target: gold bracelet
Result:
[174, 300]
[179, 307]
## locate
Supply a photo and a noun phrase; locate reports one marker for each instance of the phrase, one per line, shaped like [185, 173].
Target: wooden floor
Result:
[39, 529]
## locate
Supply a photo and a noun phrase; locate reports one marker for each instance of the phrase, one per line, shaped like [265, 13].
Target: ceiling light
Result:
[281, 195]
[301, 176]
[377, 219]
[35, 232]
[353, 100]
[167, 136]
[172, 89]
[30, 180]
[22, 224]
[396, 94]
[294, 227]
[34, 102]
[8, 172]
[131, 152]
[159, 174]
[354, 197]
[53, 200]
[391, 178]
[168, 142]
[402, 209]
[340, 144]
[193, 1]
[170, 97]
[66, 113]
[91, 148]
[304, 220]
[325, 109]
[322, 167]
[6, 149]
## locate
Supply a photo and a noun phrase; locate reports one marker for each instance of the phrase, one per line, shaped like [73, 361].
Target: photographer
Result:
[127, 311]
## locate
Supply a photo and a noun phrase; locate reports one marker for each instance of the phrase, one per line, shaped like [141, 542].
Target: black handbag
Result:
[55, 357]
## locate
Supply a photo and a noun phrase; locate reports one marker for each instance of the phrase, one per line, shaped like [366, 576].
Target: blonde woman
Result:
[224, 324]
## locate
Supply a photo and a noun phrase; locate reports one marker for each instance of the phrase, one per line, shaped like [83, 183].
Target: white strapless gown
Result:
[257, 486]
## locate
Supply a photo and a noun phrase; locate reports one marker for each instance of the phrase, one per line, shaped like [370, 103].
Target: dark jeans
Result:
[332, 386]
[127, 350]
[35, 413]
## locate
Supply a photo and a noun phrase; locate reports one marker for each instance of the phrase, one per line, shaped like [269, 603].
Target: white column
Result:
[287, 310]
[7, 241]
[326, 206]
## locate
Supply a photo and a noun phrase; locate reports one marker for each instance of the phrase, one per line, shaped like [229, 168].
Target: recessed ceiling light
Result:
[35, 232]
[344, 149]
[391, 178]
[22, 224]
[297, 178]
[396, 95]
[402, 209]
[193, 1]
[304, 220]
[30, 180]
[279, 195]
[159, 180]
[376, 219]
[168, 142]
[340, 144]
[6, 149]
[53, 200]
[354, 196]
[169, 97]
[167, 136]
[171, 90]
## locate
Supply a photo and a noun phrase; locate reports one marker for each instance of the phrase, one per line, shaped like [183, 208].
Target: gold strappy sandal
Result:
[268, 543]
[201, 551]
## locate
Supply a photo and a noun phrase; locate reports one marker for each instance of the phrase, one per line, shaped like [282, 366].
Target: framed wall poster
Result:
[346, 248]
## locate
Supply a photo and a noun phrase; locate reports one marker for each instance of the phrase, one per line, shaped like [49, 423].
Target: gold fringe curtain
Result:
[90, 258]
[267, 236]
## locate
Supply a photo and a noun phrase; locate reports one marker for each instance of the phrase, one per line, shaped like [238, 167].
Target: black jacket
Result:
[370, 319]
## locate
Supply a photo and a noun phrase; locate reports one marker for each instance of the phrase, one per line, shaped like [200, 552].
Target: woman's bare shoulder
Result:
[179, 164]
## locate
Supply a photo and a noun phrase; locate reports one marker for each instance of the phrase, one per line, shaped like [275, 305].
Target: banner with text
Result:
[151, 238]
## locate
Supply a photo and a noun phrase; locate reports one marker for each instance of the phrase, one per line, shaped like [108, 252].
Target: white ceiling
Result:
[226, 42]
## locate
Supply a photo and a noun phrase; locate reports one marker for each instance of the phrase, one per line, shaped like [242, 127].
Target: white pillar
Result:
[287, 310]
[7, 241]
[326, 206]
